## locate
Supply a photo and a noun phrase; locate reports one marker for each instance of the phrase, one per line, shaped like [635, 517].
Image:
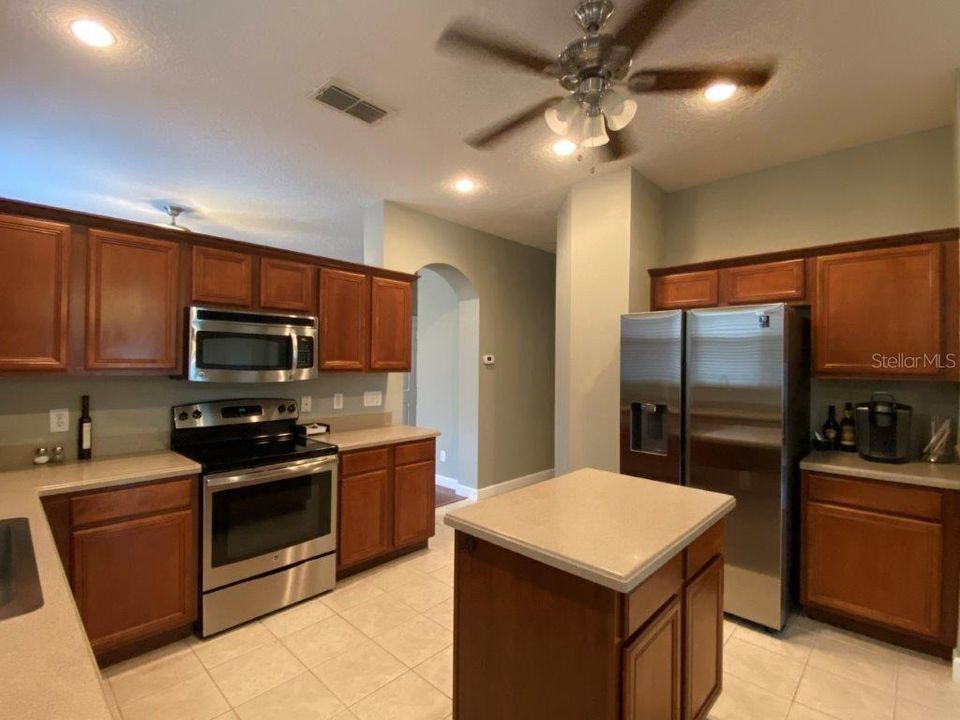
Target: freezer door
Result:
[735, 433]
[651, 375]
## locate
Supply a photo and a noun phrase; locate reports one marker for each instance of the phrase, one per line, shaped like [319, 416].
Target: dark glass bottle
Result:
[831, 430]
[848, 430]
[85, 431]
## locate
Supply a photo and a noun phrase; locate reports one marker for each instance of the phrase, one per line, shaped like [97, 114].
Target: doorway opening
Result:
[442, 389]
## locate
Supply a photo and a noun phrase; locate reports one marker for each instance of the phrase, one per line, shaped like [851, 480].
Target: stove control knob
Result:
[182, 416]
[291, 408]
[281, 409]
[197, 414]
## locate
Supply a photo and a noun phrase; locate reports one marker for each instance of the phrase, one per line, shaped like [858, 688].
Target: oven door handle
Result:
[221, 481]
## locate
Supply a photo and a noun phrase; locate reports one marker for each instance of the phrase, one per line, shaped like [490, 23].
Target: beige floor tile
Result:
[742, 700]
[346, 596]
[909, 710]
[423, 594]
[773, 672]
[396, 574]
[233, 643]
[376, 616]
[359, 671]
[843, 698]
[795, 641]
[416, 640]
[345, 715]
[409, 697]
[929, 682]
[137, 681]
[858, 661]
[438, 671]
[801, 712]
[303, 698]
[323, 640]
[444, 574]
[227, 716]
[427, 561]
[256, 672]
[728, 629]
[145, 659]
[442, 614]
[297, 617]
[196, 699]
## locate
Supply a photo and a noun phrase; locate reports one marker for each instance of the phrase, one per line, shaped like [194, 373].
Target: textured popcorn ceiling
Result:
[207, 102]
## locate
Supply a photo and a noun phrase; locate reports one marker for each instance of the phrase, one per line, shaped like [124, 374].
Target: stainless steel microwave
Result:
[236, 346]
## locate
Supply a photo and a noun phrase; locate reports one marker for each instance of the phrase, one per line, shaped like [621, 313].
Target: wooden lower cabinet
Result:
[651, 668]
[703, 640]
[386, 502]
[882, 559]
[131, 556]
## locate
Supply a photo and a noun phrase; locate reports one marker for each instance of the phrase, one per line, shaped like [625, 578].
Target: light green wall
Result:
[896, 186]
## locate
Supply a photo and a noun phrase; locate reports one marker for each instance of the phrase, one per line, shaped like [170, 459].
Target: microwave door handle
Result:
[294, 352]
[223, 481]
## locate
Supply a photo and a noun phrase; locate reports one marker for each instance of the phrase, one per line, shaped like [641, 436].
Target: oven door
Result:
[263, 519]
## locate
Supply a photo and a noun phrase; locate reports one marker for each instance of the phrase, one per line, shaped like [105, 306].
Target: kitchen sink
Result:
[19, 582]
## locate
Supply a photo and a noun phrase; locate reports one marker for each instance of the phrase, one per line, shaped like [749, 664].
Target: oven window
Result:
[243, 351]
[259, 519]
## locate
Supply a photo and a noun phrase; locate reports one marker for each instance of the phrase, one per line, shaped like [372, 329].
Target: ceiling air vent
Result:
[347, 101]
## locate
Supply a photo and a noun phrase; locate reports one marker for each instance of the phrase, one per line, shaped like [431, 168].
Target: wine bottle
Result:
[85, 439]
[831, 430]
[848, 430]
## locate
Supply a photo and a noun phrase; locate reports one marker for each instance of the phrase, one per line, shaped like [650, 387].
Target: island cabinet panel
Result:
[221, 277]
[365, 517]
[286, 285]
[132, 302]
[344, 320]
[783, 281]
[880, 312]
[686, 290]
[34, 288]
[391, 330]
[703, 640]
[651, 669]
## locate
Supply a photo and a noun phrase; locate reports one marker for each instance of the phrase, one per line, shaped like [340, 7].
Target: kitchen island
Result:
[591, 596]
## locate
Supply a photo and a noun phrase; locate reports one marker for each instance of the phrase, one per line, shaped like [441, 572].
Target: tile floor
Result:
[379, 647]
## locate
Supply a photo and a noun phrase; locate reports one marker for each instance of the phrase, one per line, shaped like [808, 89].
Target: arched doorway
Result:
[442, 389]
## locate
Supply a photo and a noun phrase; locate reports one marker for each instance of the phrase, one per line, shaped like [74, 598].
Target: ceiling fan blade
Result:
[620, 146]
[698, 78]
[647, 19]
[497, 133]
[470, 38]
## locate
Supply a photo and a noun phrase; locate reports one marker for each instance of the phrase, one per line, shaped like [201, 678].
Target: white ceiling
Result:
[208, 104]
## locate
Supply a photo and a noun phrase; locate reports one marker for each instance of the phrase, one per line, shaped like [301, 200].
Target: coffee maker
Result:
[883, 429]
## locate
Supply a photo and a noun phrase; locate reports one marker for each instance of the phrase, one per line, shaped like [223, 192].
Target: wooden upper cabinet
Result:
[286, 285]
[880, 312]
[221, 277]
[132, 302]
[344, 320]
[686, 290]
[766, 282]
[391, 324]
[34, 286]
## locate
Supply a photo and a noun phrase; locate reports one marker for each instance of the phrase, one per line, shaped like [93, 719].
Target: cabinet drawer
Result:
[420, 451]
[702, 550]
[130, 501]
[653, 593]
[361, 461]
[876, 495]
[766, 282]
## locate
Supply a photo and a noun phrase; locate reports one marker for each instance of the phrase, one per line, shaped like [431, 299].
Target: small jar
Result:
[58, 454]
[41, 456]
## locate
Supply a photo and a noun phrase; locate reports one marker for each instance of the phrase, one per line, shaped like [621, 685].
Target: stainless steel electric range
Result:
[268, 507]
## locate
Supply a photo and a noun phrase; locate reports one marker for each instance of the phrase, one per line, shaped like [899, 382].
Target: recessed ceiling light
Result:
[720, 91]
[465, 185]
[564, 147]
[92, 33]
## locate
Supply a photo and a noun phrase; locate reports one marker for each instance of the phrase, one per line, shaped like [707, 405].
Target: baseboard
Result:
[515, 484]
[468, 493]
[447, 482]
[956, 665]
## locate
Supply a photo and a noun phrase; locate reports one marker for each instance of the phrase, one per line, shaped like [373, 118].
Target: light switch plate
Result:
[372, 398]
[306, 403]
[338, 401]
[443, 456]
[59, 420]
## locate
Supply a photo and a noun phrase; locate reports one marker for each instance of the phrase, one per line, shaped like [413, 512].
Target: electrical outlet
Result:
[59, 420]
[443, 456]
[338, 401]
[372, 398]
[306, 403]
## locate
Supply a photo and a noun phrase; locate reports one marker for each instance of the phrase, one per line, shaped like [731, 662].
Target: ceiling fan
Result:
[589, 69]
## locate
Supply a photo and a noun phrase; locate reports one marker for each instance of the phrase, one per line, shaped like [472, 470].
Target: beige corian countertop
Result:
[912, 473]
[47, 669]
[611, 529]
[371, 437]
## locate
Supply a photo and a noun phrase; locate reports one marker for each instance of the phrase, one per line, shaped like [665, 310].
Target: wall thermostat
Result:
[489, 359]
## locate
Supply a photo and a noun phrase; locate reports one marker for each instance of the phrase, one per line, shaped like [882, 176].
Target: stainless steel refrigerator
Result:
[719, 399]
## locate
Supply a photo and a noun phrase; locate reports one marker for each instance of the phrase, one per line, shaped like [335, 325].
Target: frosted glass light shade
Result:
[618, 110]
[561, 116]
[594, 131]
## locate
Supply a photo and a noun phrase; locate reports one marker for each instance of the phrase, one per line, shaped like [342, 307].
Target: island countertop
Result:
[611, 529]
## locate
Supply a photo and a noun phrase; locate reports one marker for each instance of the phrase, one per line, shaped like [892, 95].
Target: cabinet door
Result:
[132, 307]
[703, 640]
[364, 517]
[221, 277]
[859, 563]
[879, 312]
[391, 324]
[651, 669]
[414, 498]
[34, 277]
[767, 282]
[686, 290]
[286, 285]
[134, 579]
[344, 310]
